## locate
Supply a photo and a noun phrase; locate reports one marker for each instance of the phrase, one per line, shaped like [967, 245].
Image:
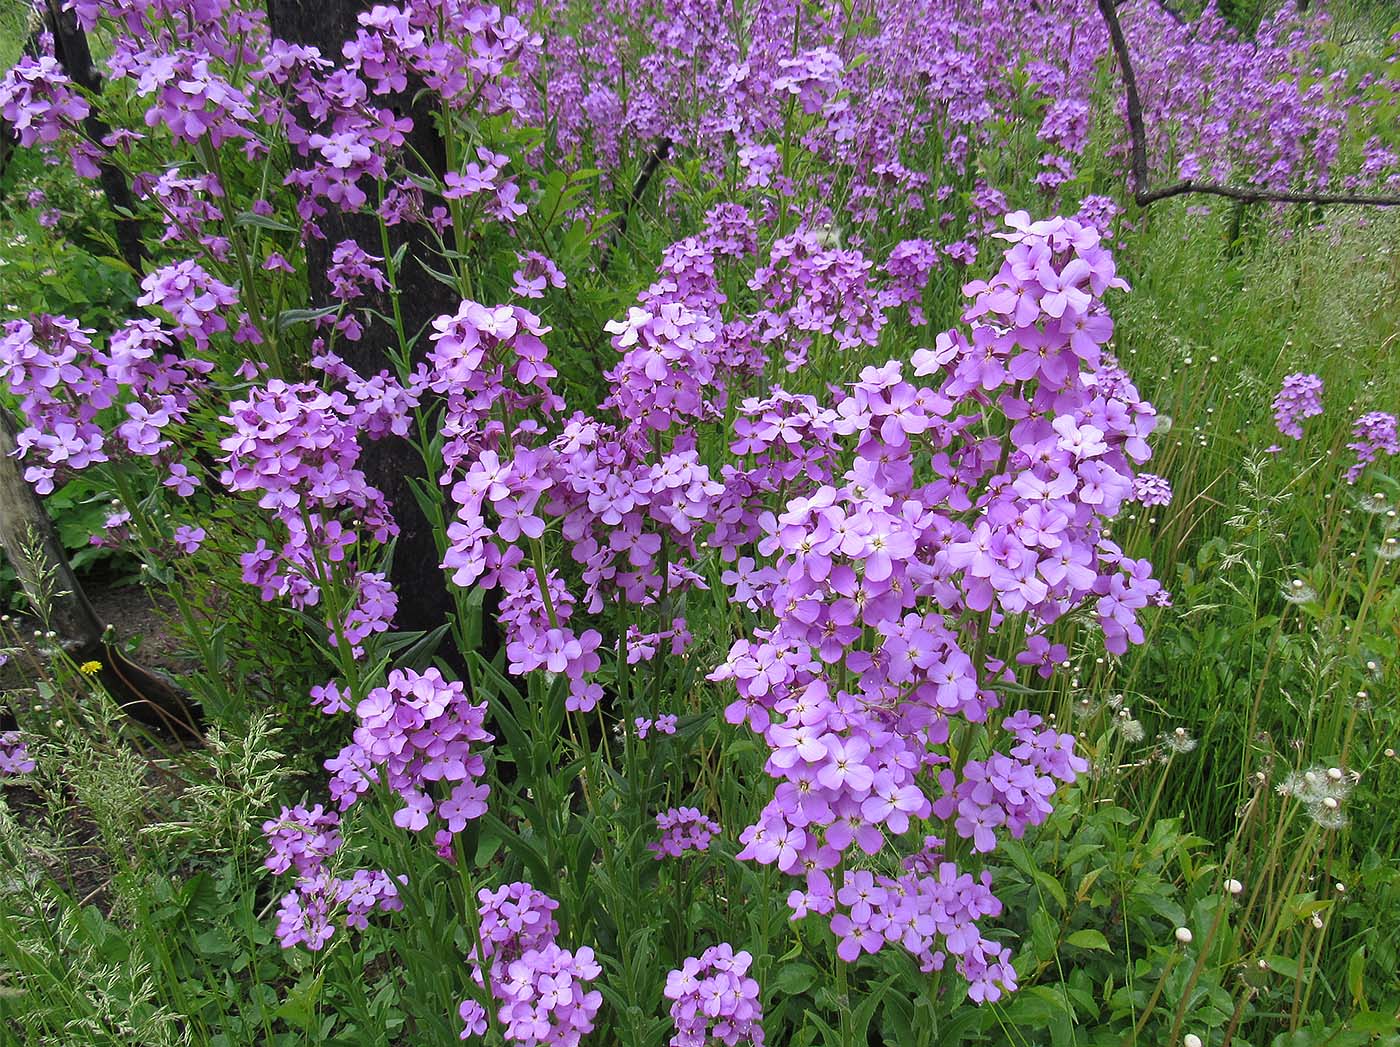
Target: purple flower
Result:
[188, 539]
[1300, 397]
[713, 996]
[539, 986]
[14, 755]
[682, 829]
[1372, 434]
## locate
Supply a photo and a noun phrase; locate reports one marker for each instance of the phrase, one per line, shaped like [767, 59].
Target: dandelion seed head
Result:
[1084, 708]
[1372, 503]
[1178, 741]
[1328, 813]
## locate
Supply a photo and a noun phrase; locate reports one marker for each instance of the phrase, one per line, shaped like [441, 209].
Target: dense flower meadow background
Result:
[690, 523]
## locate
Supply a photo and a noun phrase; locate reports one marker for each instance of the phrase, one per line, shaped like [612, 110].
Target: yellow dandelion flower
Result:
[90, 668]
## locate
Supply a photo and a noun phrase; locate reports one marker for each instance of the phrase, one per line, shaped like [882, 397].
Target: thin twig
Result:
[658, 153]
[1137, 135]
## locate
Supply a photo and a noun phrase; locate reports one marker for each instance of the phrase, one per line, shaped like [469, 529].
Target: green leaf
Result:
[1373, 1022]
[1356, 976]
[1089, 938]
[299, 1008]
[289, 318]
[794, 978]
[260, 221]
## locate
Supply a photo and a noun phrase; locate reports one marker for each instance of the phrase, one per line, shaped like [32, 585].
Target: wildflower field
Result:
[819, 523]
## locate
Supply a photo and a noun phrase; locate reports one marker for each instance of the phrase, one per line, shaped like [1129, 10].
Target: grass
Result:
[1266, 688]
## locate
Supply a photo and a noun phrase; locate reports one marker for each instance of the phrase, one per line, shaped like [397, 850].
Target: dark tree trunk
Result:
[424, 602]
[71, 50]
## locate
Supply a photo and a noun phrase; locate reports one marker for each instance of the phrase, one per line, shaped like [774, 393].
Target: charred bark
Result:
[71, 50]
[424, 600]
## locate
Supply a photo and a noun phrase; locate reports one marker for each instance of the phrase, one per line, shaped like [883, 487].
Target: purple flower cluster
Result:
[617, 504]
[1009, 791]
[41, 107]
[196, 300]
[14, 754]
[420, 732]
[1003, 526]
[539, 987]
[308, 913]
[931, 911]
[304, 840]
[682, 829]
[812, 288]
[643, 646]
[65, 382]
[298, 447]
[1299, 397]
[1373, 434]
[713, 998]
[663, 724]
[1150, 490]
[536, 272]
[301, 838]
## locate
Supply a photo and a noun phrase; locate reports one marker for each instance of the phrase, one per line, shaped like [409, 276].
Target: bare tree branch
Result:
[1170, 11]
[656, 156]
[1254, 196]
[1137, 135]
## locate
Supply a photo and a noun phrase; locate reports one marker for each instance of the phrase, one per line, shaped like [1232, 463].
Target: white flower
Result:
[1183, 935]
[1234, 887]
[1190, 1040]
